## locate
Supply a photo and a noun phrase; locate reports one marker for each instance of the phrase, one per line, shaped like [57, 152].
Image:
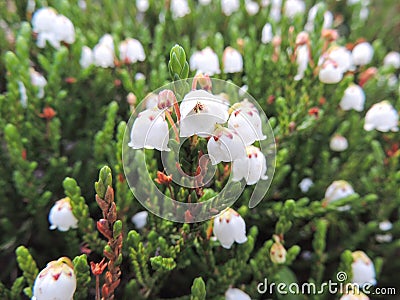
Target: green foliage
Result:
[82, 271]
[198, 289]
[28, 266]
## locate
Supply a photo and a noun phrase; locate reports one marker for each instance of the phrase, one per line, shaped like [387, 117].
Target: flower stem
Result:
[171, 121]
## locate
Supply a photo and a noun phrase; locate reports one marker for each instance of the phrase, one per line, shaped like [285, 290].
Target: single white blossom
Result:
[382, 116]
[131, 51]
[338, 143]
[61, 216]
[252, 168]
[302, 57]
[338, 190]
[245, 119]
[392, 59]
[305, 184]
[103, 52]
[86, 57]
[39, 81]
[142, 5]
[205, 61]
[353, 98]
[363, 269]
[294, 7]
[140, 76]
[229, 6]
[341, 56]
[266, 34]
[330, 73]
[229, 227]
[362, 54]
[252, 7]
[150, 131]
[225, 145]
[200, 112]
[64, 29]
[236, 294]
[179, 8]
[55, 282]
[140, 219]
[232, 60]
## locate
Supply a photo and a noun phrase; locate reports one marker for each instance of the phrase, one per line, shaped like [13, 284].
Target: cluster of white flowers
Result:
[52, 27]
[103, 54]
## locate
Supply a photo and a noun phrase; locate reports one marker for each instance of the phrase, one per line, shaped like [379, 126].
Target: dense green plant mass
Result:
[55, 146]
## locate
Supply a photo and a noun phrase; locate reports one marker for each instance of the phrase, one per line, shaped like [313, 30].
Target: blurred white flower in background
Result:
[232, 60]
[229, 227]
[293, 8]
[56, 281]
[61, 216]
[312, 13]
[338, 143]
[52, 27]
[275, 12]
[205, 61]
[86, 57]
[338, 190]
[302, 57]
[305, 184]
[23, 97]
[353, 98]
[236, 294]
[252, 168]
[142, 5]
[252, 7]
[392, 59]
[204, 2]
[382, 116]
[384, 237]
[140, 219]
[131, 51]
[266, 34]
[229, 6]
[39, 81]
[362, 54]
[103, 52]
[179, 8]
[363, 269]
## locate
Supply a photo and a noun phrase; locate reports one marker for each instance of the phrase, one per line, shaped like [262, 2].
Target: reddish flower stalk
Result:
[97, 270]
[113, 249]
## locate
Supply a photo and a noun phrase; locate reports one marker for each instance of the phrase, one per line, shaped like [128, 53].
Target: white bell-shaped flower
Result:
[245, 119]
[392, 59]
[236, 294]
[103, 52]
[200, 112]
[341, 56]
[293, 8]
[338, 143]
[205, 61]
[338, 190]
[266, 34]
[39, 81]
[225, 145]
[385, 237]
[252, 168]
[252, 7]
[86, 57]
[362, 54]
[150, 131]
[179, 8]
[383, 117]
[229, 6]
[305, 184]
[302, 57]
[55, 282]
[330, 73]
[140, 219]
[229, 227]
[61, 216]
[232, 60]
[43, 21]
[64, 30]
[353, 98]
[142, 5]
[131, 51]
[363, 269]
